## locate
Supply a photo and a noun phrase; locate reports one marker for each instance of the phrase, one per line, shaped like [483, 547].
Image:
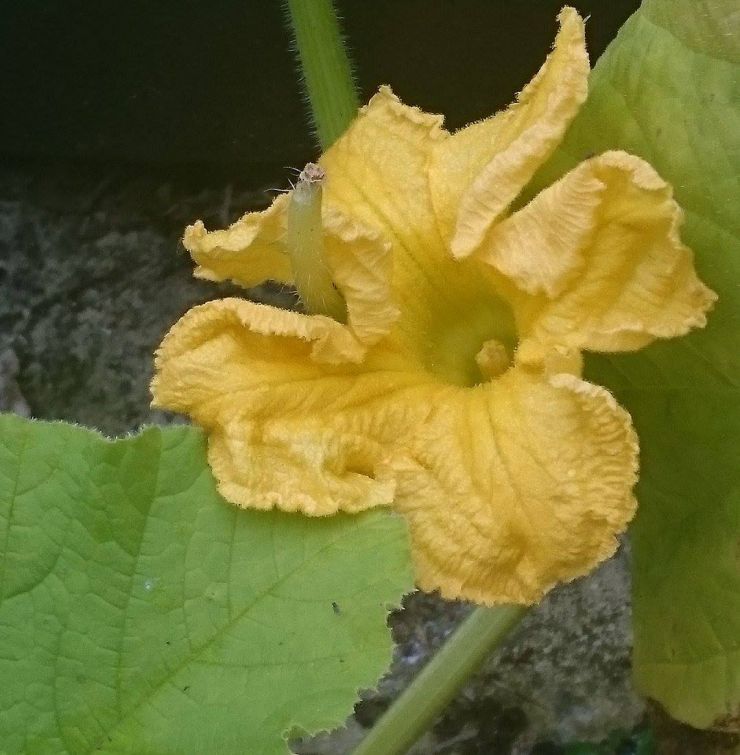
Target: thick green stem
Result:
[325, 65]
[415, 710]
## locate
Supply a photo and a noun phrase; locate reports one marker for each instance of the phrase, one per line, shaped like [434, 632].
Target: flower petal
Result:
[597, 260]
[481, 169]
[248, 252]
[360, 263]
[516, 485]
[376, 171]
[540, 247]
[283, 431]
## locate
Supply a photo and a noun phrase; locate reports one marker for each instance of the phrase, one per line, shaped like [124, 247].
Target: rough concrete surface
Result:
[92, 275]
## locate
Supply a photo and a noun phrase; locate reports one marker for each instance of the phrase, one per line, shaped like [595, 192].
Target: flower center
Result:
[475, 344]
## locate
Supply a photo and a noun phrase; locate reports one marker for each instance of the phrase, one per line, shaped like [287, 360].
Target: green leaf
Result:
[668, 89]
[140, 613]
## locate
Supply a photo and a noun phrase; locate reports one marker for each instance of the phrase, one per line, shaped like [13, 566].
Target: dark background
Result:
[210, 85]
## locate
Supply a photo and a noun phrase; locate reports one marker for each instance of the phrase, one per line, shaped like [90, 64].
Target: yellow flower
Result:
[447, 381]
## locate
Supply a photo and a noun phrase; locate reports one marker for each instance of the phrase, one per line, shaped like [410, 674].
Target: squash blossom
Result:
[438, 365]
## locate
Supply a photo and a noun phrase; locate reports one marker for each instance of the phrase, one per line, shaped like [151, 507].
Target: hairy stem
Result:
[305, 243]
[325, 65]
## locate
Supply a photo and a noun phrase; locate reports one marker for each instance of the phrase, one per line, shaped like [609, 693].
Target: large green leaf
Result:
[142, 614]
[668, 89]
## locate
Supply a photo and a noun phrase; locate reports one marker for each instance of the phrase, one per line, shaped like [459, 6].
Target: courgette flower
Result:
[438, 369]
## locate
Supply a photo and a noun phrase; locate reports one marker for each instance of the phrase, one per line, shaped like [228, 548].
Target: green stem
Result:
[325, 65]
[440, 680]
[304, 240]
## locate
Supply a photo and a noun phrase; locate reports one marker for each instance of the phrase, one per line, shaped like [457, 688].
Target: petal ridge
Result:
[247, 253]
[322, 334]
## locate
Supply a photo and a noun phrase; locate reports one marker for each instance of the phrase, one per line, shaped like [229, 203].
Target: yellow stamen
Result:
[493, 359]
